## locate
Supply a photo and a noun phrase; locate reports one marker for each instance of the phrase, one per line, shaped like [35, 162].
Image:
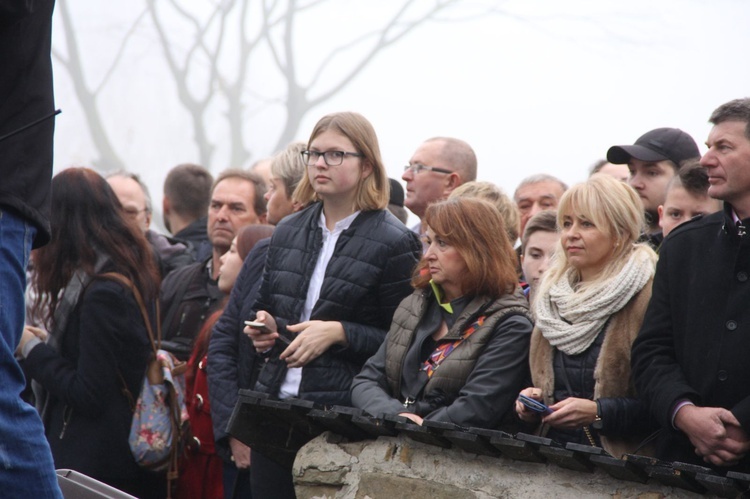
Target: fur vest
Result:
[612, 372]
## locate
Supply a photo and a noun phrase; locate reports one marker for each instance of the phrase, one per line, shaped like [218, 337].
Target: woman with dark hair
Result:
[203, 471]
[334, 274]
[98, 344]
[467, 316]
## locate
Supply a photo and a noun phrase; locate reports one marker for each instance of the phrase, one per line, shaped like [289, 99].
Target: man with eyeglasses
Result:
[170, 253]
[438, 166]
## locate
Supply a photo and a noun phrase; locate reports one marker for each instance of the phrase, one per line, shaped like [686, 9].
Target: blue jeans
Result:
[26, 467]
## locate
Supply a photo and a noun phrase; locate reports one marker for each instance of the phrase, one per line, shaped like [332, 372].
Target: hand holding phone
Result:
[534, 405]
[263, 328]
[260, 326]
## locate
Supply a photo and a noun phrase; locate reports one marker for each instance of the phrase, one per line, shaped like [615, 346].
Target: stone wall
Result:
[398, 467]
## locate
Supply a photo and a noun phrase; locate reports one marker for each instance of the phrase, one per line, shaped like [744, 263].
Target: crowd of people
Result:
[609, 313]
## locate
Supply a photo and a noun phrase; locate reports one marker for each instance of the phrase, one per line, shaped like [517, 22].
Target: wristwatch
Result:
[597, 424]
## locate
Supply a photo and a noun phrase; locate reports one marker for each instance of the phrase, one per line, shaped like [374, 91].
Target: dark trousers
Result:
[269, 480]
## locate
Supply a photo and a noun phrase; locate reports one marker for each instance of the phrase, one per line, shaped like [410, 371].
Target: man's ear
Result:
[166, 205]
[660, 210]
[452, 181]
[263, 219]
[297, 206]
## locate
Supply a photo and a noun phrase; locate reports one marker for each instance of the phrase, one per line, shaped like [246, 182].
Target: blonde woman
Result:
[588, 311]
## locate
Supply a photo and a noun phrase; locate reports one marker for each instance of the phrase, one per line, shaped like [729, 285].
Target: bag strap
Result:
[155, 342]
[114, 276]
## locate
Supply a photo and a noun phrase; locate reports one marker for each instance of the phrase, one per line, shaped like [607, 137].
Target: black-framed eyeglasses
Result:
[417, 168]
[331, 158]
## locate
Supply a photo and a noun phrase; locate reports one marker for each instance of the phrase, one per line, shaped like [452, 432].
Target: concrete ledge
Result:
[396, 467]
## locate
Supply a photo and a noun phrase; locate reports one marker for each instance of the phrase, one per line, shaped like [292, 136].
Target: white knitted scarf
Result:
[572, 319]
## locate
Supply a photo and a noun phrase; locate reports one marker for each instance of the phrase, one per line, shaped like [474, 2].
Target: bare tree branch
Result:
[108, 159]
[120, 51]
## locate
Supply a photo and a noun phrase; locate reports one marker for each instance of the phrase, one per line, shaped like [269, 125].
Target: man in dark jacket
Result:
[187, 192]
[690, 360]
[26, 130]
[190, 294]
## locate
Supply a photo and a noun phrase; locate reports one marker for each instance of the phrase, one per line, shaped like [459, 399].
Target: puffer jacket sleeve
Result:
[395, 285]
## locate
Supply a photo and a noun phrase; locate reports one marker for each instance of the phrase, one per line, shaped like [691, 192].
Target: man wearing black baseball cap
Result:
[653, 160]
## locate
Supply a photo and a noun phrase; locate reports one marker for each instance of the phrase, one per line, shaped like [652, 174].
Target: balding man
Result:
[135, 199]
[438, 166]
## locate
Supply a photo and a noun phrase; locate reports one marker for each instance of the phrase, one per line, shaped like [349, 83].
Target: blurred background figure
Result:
[620, 172]
[232, 361]
[396, 201]
[136, 201]
[539, 243]
[687, 197]
[537, 193]
[495, 195]
[204, 472]
[187, 192]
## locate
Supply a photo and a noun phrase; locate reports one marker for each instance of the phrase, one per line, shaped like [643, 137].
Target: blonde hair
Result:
[373, 191]
[492, 193]
[614, 208]
[289, 167]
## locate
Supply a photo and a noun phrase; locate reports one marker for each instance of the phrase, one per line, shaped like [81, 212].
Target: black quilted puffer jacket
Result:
[367, 277]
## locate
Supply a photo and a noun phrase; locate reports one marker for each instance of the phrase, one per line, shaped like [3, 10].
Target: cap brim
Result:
[620, 155]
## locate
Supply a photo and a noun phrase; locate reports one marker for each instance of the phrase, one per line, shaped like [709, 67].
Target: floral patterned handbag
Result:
[159, 413]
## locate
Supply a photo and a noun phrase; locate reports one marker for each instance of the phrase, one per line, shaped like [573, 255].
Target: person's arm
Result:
[109, 317]
[499, 375]
[658, 377]
[370, 392]
[624, 416]
[364, 340]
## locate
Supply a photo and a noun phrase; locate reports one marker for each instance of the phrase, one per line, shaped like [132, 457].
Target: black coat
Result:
[366, 278]
[105, 337]
[188, 297]
[695, 339]
[26, 96]
[232, 360]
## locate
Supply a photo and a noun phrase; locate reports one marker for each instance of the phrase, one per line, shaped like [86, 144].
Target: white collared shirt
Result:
[290, 386]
